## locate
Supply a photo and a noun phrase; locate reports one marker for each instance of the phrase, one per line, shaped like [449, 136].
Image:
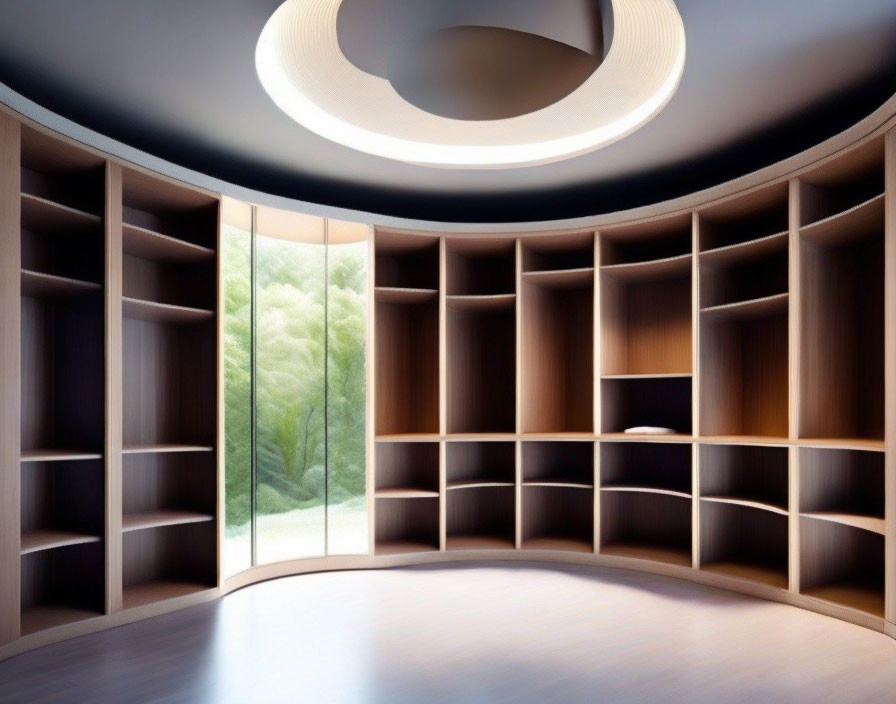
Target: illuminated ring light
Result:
[303, 69]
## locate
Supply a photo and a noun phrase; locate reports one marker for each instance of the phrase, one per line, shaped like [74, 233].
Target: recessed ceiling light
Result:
[394, 113]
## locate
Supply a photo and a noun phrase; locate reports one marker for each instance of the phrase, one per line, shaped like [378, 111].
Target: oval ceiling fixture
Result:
[387, 77]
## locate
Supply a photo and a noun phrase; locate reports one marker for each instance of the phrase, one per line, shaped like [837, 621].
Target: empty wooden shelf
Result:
[480, 267]
[147, 244]
[479, 463]
[145, 593]
[752, 218]
[36, 540]
[481, 518]
[407, 466]
[752, 476]
[406, 261]
[557, 365]
[744, 542]
[160, 519]
[844, 486]
[558, 463]
[646, 525]
[663, 241]
[842, 332]
[481, 368]
[557, 518]
[843, 564]
[572, 251]
[39, 285]
[407, 525]
[156, 312]
[757, 273]
[646, 466]
[387, 294]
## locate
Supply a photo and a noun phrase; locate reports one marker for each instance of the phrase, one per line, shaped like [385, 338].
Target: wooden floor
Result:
[483, 633]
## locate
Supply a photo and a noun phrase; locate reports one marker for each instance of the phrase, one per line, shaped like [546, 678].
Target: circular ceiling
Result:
[763, 79]
[450, 55]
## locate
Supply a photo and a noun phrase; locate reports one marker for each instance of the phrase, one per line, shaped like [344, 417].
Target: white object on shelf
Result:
[649, 430]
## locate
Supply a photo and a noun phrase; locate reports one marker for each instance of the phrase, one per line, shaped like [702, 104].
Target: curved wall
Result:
[819, 167]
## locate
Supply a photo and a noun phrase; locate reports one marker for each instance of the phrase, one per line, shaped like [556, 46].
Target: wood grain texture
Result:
[890, 373]
[10, 361]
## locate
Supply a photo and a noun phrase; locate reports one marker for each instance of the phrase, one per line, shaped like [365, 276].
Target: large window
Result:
[296, 466]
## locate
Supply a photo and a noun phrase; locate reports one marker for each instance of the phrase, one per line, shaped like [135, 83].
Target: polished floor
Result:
[484, 633]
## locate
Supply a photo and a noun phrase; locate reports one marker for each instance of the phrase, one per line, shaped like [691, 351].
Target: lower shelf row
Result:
[67, 584]
[840, 563]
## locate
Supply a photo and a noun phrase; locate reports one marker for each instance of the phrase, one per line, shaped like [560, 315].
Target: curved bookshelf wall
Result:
[758, 324]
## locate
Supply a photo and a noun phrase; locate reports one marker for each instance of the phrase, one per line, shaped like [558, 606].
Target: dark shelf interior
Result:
[481, 512]
[169, 481]
[745, 472]
[659, 239]
[479, 462]
[404, 261]
[745, 279]
[192, 285]
[555, 253]
[63, 496]
[663, 402]
[751, 217]
[407, 465]
[481, 374]
[561, 514]
[842, 481]
[414, 522]
[69, 578]
[649, 465]
[177, 553]
[563, 462]
[646, 525]
[481, 267]
[744, 541]
[62, 373]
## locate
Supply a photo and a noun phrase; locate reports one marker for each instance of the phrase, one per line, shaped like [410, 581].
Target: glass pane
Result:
[290, 387]
[236, 280]
[347, 259]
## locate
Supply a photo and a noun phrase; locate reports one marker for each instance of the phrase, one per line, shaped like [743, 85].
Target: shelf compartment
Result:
[557, 366]
[646, 526]
[156, 449]
[843, 485]
[842, 564]
[467, 463]
[745, 219]
[148, 244]
[480, 267]
[167, 209]
[169, 389]
[763, 274]
[161, 489]
[842, 328]
[407, 367]
[155, 312]
[38, 285]
[842, 183]
[407, 525]
[745, 473]
[854, 223]
[481, 517]
[495, 302]
[748, 250]
[56, 455]
[175, 284]
[62, 503]
[646, 324]
[652, 241]
[646, 465]
[406, 494]
[168, 561]
[481, 369]
[62, 585]
[557, 518]
[407, 466]
[744, 542]
[62, 374]
[558, 463]
[558, 252]
[768, 305]
[406, 261]
[744, 385]
[663, 402]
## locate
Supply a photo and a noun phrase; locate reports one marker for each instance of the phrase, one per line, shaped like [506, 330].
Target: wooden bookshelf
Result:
[753, 476]
[646, 525]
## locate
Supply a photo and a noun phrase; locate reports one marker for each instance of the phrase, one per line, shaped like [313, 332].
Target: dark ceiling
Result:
[764, 79]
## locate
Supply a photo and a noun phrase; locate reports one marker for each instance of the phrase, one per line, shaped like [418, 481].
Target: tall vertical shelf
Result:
[62, 570]
[407, 334]
[841, 245]
[557, 335]
[169, 395]
[481, 336]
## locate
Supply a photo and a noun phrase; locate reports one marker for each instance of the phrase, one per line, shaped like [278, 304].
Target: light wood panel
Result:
[890, 372]
[10, 361]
